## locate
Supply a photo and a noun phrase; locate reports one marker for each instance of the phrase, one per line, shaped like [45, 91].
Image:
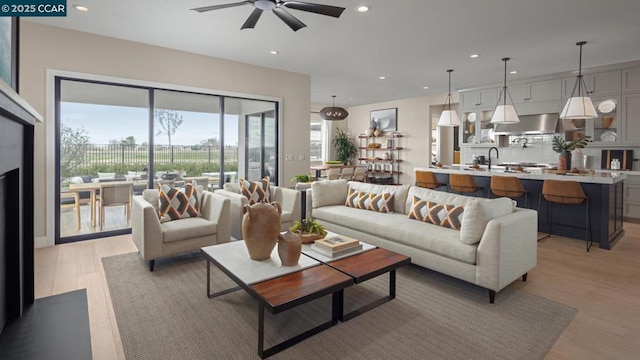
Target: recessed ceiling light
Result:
[382, 77]
[473, 56]
[513, 72]
[363, 8]
[274, 52]
[425, 87]
[81, 8]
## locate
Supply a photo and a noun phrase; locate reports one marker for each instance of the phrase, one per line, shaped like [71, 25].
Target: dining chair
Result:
[359, 174]
[347, 173]
[69, 200]
[115, 195]
[333, 173]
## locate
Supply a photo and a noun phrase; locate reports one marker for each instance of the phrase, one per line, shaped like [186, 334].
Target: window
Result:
[315, 154]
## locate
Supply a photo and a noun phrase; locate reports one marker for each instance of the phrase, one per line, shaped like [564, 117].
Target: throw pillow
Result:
[177, 203]
[439, 214]
[255, 191]
[376, 202]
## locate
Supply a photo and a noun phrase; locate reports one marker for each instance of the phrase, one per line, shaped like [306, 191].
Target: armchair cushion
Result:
[255, 191]
[189, 228]
[177, 203]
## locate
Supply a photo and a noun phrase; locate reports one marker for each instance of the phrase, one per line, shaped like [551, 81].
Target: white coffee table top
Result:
[234, 257]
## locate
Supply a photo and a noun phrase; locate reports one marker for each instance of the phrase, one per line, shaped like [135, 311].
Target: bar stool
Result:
[464, 184]
[509, 186]
[427, 179]
[568, 193]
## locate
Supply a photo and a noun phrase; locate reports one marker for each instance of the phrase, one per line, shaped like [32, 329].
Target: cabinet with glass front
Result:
[602, 129]
[476, 127]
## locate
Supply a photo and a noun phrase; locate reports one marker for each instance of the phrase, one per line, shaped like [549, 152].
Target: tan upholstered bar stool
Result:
[568, 193]
[427, 179]
[464, 184]
[509, 186]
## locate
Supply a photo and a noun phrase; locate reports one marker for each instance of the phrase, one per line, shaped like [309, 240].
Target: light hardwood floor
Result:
[603, 285]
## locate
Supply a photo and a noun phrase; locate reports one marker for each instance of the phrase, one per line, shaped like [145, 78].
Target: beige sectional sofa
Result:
[497, 242]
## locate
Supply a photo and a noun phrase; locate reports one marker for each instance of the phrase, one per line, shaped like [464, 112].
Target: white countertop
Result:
[599, 177]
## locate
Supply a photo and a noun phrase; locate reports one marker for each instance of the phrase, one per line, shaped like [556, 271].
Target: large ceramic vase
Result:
[260, 228]
[289, 248]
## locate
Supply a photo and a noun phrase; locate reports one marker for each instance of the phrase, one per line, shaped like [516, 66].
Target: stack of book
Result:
[336, 246]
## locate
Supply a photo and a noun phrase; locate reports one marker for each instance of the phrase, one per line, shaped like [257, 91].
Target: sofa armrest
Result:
[508, 249]
[236, 202]
[146, 230]
[290, 200]
[216, 208]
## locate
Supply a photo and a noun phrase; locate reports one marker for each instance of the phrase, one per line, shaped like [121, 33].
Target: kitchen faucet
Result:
[489, 157]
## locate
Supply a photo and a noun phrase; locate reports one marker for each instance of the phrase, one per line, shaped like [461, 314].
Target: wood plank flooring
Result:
[604, 285]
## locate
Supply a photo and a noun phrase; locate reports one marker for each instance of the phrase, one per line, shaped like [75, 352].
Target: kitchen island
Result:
[604, 190]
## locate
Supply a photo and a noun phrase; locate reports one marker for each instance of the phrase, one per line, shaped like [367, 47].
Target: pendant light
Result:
[579, 105]
[332, 112]
[505, 113]
[449, 117]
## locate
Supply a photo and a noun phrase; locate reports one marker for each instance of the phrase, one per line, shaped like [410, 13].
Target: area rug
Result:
[166, 314]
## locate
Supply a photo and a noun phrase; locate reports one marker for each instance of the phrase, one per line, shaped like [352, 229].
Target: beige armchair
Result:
[289, 199]
[155, 239]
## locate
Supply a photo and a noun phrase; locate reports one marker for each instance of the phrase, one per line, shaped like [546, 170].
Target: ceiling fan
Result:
[278, 8]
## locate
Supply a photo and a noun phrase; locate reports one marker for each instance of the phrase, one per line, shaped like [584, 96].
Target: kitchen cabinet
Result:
[536, 91]
[381, 157]
[598, 84]
[604, 129]
[476, 127]
[538, 107]
[632, 198]
[631, 79]
[631, 117]
[483, 99]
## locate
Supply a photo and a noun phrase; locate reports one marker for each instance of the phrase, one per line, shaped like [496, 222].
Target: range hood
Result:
[530, 125]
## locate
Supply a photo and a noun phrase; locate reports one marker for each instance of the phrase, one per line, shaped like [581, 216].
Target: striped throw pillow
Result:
[439, 214]
[177, 203]
[255, 191]
[376, 202]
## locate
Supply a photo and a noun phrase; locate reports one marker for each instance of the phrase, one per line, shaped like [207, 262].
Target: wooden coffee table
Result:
[278, 288]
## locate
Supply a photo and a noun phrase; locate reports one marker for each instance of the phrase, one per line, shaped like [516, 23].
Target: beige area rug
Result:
[166, 314]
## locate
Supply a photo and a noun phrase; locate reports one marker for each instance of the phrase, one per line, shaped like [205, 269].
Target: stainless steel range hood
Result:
[530, 125]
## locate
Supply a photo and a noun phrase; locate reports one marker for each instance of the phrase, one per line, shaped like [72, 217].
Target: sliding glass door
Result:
[261, 144]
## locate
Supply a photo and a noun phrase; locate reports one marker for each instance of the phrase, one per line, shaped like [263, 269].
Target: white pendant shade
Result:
[505, 114]
[579, 108]
[449, 118]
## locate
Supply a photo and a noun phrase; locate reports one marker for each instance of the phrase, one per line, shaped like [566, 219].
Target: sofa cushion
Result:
[255, 191]
[399, 193]
[438, 214]
[376, 202]
[399, 228]
[478, 211]
[188, 228]
[328, 192]
[177, 203]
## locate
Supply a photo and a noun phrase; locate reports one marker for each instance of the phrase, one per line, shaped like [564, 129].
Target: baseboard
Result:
[40, 241]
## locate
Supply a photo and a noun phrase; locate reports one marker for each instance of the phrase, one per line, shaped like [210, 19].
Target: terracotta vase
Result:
[289, 248]
[260, 228]
[564, 161]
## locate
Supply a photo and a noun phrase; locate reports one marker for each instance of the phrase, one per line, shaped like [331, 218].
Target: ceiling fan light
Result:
[505, 114]
[449, 118]
[579, 108]
[265, 4]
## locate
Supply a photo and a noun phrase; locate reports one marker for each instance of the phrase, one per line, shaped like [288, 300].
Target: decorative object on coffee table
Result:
[289, 248]
[260, 228]
[309, 230]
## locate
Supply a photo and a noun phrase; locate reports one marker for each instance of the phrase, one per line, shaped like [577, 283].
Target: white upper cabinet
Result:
[602, 83]
[536, 91]
[631, 79]
[480, 99]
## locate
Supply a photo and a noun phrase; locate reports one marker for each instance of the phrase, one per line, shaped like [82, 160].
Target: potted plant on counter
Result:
[309, 230]
[564, 148]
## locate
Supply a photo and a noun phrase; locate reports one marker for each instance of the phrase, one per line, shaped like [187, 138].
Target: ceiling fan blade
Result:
[328, 10]
[288, 19]
[252, 20]
[223, 6]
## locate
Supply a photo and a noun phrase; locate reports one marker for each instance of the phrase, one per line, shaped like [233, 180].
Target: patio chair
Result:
[71, 200]
[115, 195]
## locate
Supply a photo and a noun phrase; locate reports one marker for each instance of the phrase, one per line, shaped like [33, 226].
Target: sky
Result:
[104, 123]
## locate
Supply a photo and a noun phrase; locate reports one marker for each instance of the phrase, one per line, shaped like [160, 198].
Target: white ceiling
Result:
[411, 42]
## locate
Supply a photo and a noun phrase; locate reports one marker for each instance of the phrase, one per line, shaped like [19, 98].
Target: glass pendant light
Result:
[579, 105]
[332, 112]
[505, 113]
[449, 117]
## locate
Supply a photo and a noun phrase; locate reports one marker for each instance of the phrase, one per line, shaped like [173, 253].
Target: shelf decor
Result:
[386, 120]
[449, 117]
[505, 113]
[579, 105]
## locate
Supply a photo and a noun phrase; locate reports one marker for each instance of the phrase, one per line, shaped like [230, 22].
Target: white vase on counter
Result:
[578, 159]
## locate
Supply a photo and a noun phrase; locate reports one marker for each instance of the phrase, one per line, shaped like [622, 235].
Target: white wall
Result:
[44, 47]
[413, 121]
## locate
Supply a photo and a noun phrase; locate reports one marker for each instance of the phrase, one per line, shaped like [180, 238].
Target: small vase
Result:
[564, 161]
[369, 132]
[378, 132]
[289, 248]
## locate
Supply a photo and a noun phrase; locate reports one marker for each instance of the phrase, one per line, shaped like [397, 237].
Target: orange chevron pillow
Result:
[255, 191]
[375, 202]
[439, 214]
[177, 203]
